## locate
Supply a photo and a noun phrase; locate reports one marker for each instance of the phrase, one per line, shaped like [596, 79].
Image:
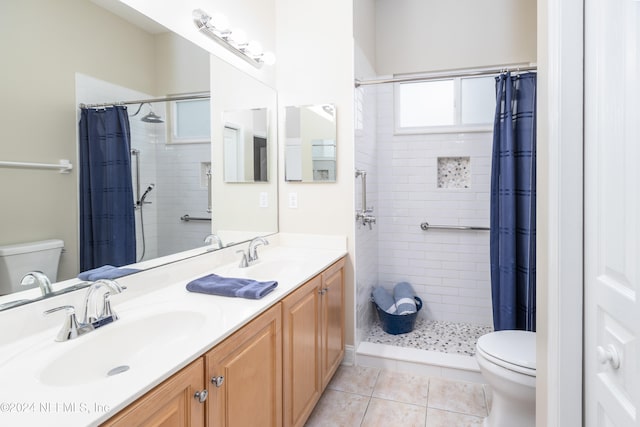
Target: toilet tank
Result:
[19, 259]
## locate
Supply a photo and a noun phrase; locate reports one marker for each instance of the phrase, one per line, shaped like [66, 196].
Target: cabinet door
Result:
[171, 404]
[301, 354]
[245, 375]
[332, 303]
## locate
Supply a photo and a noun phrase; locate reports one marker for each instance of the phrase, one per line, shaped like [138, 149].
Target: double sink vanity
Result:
[175, 357]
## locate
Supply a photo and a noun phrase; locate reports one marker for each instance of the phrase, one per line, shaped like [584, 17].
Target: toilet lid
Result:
[512, 347]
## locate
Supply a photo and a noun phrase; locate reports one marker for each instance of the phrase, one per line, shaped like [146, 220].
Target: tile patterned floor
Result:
[360, 396]
[445, 337]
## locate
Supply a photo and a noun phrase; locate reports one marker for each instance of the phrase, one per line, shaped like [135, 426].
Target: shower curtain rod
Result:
[438, 75]
[200, 95]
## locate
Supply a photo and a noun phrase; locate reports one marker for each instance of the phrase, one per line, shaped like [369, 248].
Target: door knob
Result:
[608, 354]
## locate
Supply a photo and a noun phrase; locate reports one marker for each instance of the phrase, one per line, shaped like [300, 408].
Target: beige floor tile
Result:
[402, 387]
[385, 413]
[440, 418]
[338, 409]
[354, 379]
[463, 397]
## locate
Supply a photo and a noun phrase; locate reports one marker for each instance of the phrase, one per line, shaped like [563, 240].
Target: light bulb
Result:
[254, 48]
[268, 58]
[239, 37]
[220, 21]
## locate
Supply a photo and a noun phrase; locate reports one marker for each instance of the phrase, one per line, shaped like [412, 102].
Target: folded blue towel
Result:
[403, 294]
[384, 300]
[231, 286]
[106, 272]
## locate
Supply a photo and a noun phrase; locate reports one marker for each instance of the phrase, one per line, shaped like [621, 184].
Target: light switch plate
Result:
[293, 200]
[264, 199]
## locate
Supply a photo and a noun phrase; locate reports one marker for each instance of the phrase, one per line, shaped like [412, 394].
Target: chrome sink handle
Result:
[243, 262]
[70, 328]
[106, 315]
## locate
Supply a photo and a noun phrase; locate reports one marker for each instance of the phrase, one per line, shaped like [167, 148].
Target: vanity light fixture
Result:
[217, 28]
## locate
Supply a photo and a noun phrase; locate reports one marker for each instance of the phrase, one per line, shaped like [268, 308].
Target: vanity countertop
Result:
[162, 328]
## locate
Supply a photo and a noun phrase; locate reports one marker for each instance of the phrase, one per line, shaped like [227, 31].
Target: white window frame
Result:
[457, 127]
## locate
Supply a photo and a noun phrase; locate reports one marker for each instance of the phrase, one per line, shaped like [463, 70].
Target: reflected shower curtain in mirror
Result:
[107, 221]
[513, 204]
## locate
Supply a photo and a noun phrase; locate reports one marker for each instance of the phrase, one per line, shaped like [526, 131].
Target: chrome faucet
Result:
[33, 277]
[106, 314]
[251, 256]
[72, 328]
[213, 238]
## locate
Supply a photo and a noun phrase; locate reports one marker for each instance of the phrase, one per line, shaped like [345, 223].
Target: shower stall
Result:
[431, 197]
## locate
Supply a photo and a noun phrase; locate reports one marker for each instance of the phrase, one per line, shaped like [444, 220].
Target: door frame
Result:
[560, 213]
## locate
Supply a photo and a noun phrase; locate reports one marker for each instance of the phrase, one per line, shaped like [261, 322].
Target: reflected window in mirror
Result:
[310, 145]
[190, 121]
[245, 146]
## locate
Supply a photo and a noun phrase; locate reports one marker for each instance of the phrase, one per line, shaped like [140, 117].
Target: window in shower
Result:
[190, 121]
[461, 104]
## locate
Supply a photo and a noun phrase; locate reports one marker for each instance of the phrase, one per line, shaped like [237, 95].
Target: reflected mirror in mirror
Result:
[140, 60]
[310, 143]
[246, 143]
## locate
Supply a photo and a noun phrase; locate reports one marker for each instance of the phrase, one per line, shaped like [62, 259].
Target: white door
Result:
[612, 213]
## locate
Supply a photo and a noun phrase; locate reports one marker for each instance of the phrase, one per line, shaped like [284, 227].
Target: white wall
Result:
[427, 35]
[38, 110]
[315, 66]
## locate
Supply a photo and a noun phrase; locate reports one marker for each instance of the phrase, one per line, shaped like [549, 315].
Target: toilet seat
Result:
[513, 350]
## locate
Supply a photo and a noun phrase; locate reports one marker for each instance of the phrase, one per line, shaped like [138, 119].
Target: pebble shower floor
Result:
[434, 335]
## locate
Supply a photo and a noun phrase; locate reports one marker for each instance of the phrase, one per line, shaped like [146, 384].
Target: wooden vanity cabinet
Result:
[244, 375]
[313, 341]
[172, 404]
[271, 372]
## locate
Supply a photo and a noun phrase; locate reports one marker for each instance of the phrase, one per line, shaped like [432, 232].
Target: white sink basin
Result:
[121, 347]
[263, 270]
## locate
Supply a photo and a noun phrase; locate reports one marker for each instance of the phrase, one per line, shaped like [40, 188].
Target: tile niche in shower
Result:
[454, 172]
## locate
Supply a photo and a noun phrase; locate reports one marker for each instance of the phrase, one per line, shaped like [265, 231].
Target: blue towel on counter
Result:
[106, 272]
[231, 286]
[403, 294]
[384, 299]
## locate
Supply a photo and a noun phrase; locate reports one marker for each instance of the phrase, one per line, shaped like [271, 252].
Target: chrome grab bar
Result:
[426, 226]
[364, 215]
[187, 218]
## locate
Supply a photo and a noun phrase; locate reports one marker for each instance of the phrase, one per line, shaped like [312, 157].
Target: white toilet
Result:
[507, 361]
[19, 259]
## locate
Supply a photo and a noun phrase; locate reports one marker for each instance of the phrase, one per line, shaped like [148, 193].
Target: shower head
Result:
[152, 118]
[149, 118]
[147, 191]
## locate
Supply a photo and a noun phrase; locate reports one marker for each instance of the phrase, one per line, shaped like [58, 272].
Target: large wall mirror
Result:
[177, 177]
[310, 143]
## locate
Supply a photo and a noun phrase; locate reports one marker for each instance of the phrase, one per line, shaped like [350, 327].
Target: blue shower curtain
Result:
[513, 204]
[107, 221]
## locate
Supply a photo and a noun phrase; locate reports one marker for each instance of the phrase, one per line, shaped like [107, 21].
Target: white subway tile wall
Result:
[448, 269]
[366, 240]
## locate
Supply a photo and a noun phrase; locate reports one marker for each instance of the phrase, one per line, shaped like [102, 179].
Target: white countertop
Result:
[162, 328]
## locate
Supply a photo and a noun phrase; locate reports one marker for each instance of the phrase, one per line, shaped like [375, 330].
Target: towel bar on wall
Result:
[426, 226]
[187, 218]
[64, 166]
